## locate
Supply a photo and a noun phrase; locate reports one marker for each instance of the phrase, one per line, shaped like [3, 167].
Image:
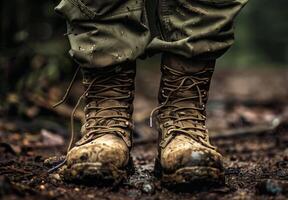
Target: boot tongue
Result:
[183, 95]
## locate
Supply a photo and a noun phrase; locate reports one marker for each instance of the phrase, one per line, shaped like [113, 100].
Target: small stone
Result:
[74, 173]
[90, 196]
[148, 188]
[56, 177]
[232, 170]
[42, 187]
[76, 189]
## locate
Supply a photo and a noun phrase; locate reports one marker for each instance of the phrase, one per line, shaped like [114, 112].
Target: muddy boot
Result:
[185, 153]
[103, 153]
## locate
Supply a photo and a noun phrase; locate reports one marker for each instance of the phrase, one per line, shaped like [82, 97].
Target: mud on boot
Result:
[185, 155]
[102, 155]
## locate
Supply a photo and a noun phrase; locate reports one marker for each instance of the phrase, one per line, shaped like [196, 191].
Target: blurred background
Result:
[34, 51]
[35, 67]
[247, 108]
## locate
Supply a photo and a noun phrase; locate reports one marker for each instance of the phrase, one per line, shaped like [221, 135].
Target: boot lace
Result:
[95, 123]
[182, 113]
[118, 86]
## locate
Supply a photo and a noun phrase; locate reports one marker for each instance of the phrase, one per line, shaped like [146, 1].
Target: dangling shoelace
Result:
[187, 82]
[64, 98]
[96, 129]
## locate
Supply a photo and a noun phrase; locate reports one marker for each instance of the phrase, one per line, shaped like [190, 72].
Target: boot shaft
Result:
[109, 95]
[193, 78]
[183, 95]
[110, 82]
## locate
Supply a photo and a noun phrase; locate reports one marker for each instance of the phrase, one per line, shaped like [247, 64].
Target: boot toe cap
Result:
[106, 150]
[183, 152]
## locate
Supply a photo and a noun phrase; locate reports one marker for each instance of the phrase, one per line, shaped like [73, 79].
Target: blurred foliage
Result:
[261, 36]
[33, 48]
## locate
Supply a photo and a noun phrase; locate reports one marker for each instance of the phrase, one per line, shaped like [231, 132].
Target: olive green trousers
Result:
[109, 32]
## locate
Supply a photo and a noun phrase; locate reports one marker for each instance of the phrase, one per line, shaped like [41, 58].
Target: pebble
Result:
[148, 188]
[55, 177]
[42, 187]
[232, 170]
[90, 196]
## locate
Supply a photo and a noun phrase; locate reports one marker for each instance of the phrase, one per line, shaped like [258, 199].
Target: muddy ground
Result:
[248, 112]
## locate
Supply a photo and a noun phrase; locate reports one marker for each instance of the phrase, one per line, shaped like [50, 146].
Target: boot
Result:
[103, 153]
[185, 154]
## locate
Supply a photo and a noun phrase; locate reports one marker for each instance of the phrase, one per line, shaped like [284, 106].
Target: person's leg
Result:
[105, 32]
[106, 37]
[198, 29]
[193, 34]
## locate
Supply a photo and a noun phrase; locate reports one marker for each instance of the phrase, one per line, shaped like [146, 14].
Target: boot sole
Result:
[191, 174]
[94, 174]
[194, 176]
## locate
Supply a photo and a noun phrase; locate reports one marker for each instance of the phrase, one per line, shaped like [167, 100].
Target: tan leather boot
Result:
[185, 153]
[103, 152]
